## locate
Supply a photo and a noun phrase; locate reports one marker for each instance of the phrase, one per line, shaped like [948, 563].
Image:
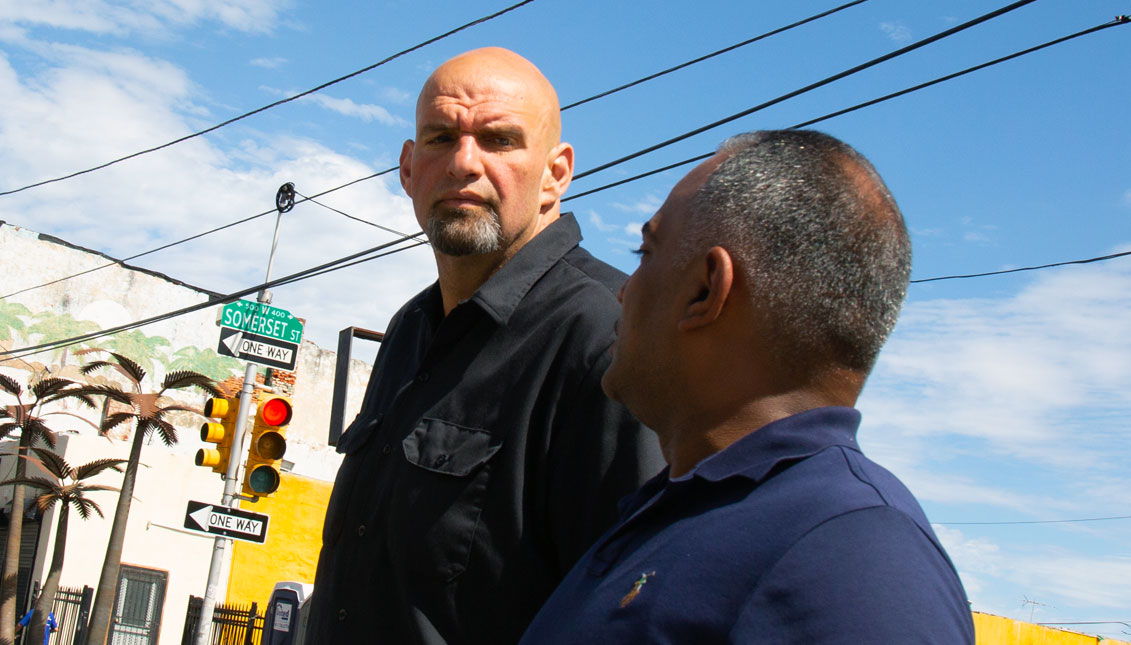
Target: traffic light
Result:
[268, 445]
[219, 432]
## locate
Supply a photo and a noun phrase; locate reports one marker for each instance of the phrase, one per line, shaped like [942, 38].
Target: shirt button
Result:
[341, 614]
[361, 530]
[423, 377]
[387, 449]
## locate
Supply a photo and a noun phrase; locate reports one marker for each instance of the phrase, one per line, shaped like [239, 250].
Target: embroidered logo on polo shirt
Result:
[636, 587]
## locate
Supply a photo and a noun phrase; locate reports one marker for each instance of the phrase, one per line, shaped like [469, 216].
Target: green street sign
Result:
[262, 320]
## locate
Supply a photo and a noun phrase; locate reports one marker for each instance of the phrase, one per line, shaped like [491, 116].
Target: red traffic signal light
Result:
[262, 474]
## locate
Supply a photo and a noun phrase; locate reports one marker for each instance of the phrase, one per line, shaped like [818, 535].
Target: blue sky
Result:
[999, 399]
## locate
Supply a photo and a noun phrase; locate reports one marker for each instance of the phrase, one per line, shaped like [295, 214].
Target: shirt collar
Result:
[789, 439]
[504, 290]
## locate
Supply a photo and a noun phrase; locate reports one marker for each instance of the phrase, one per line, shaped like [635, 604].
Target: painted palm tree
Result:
[141, 348]
[52, 326]
[207, 362]
[66, 486]
[11, 319]
[148, 412]
[27, 419]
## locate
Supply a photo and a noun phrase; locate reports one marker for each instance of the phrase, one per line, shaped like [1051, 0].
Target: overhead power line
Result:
[812, 86]
[1119, 20]
[230, 297]
[198, 235]
[1102, 258]
[1085, 519]
[613, 91]
[364, 221]
[724, 50]
[276, 103]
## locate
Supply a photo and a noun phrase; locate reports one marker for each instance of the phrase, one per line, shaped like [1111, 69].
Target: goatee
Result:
[465, 231]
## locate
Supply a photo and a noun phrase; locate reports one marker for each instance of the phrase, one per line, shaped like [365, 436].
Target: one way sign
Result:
[228, 522]
[262, 350]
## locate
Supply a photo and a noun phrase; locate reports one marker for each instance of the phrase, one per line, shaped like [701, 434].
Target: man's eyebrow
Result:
[436, 126]
[646, 230]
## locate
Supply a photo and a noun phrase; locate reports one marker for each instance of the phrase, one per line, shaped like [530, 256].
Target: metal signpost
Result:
[284, 201]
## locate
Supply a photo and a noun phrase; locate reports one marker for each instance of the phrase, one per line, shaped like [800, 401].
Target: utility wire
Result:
[415, 236]
[198, 235]
[276, 103]
[1085, 519]
[223, 299]
[1119, 20]
[591, 98]
[315, 274]
[714, 53]
[812, 86]
[1033, 268]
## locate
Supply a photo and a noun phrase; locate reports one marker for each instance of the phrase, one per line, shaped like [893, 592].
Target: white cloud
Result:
[364, 111]
[1127, 198]
[649, 204]
[1009, 371]
[1063, 581]
[1016, 404]
[398, 96]
[149, 18]
[600, 224]
[268, 63]
[896, 31]
[90, 106]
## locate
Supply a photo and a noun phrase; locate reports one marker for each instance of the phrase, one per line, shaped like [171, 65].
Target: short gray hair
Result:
[817, 235]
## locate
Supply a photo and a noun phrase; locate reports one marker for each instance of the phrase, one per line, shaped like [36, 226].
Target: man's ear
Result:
[714, 276]
[558, 173]
[406, 166]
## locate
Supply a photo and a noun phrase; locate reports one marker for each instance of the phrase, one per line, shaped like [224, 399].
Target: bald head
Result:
[503, 74]
[487, 169]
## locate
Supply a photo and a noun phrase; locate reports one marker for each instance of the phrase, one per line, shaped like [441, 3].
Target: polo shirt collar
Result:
[789, 439]
[503, 291]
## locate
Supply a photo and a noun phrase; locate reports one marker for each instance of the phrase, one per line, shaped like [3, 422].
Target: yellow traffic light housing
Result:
[220, 432]
[262, 474]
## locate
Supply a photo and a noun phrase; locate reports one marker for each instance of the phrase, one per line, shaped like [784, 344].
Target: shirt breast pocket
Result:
[440, 497]
[351, 443]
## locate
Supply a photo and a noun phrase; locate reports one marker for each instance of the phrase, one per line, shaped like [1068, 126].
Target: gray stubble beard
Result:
[463, 231]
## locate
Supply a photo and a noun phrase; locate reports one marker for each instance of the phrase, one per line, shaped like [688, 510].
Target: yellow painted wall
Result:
[294, 538]
[996, 630]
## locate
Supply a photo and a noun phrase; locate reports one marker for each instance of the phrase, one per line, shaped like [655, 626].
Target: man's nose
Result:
[466, 160]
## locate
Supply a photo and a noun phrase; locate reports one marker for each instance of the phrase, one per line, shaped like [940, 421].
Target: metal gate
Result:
[137, 607]
[232, 624]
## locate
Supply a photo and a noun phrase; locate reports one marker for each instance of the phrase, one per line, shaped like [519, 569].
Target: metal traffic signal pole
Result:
[284, 201]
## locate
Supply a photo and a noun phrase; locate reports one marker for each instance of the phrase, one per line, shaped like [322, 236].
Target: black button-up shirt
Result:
[485, 460]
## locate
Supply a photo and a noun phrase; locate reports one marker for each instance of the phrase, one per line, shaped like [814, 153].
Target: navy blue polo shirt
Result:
[790, 535]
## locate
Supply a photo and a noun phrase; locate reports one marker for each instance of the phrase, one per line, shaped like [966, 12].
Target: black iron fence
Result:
[72, 611]
[232, 624]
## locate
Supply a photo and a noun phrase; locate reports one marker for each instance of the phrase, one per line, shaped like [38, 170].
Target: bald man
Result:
[768, 282]
[485, 458]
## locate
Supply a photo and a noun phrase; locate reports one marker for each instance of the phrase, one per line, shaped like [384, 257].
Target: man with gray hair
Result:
[768, 282]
